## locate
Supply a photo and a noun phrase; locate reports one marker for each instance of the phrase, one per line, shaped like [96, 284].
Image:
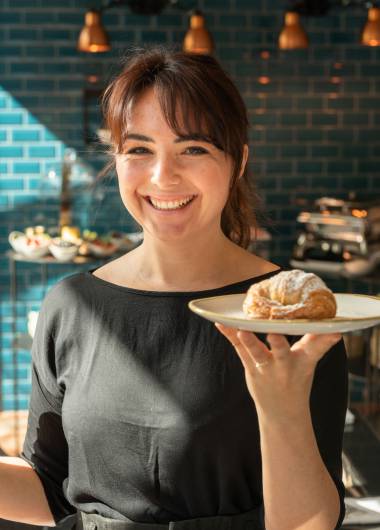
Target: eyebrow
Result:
[183, 138]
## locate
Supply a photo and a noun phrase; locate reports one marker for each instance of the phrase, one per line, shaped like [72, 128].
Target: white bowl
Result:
[100, 251]
[17, 240]
[62, 253]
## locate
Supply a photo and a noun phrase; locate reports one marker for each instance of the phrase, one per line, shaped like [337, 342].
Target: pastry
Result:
[290, 294]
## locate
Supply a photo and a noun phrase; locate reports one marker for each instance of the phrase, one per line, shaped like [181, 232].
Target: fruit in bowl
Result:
[102, 247]
[121, 240]
[33, 246]
[63, 250]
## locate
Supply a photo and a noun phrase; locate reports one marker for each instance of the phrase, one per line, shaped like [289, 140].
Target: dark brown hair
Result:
[195, 95]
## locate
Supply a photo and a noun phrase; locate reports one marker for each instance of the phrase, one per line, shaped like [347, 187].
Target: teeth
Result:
[170, 205]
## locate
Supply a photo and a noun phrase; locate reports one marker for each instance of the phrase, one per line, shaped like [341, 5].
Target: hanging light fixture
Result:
[93, 37]
[292, 35]
[198, 39]
[371, 31]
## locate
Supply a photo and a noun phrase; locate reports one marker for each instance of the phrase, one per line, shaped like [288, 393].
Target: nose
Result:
[165, 173]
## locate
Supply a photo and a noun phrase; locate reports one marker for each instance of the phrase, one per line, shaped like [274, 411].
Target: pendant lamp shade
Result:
[198, 39]
[292, 35]
[93, 37]
[371, 31]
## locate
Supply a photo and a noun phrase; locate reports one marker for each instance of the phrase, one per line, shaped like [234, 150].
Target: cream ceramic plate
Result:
[354, 312]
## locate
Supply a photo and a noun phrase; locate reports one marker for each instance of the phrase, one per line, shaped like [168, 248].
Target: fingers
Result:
[316, 345]
[279, 345]
[249, 348]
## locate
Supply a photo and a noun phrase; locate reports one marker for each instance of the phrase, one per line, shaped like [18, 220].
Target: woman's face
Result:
[174, 187]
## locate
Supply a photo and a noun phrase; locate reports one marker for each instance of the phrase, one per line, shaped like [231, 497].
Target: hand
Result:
[279, 379]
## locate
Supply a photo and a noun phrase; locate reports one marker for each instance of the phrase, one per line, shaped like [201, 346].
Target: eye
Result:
[196, 150]
[137, 151]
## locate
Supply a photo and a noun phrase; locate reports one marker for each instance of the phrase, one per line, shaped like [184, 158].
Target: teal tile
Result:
[369, 103]
[324, 151]
[309, 135]
[40, 17]
[3, 136]
[56, 34]
[293, 119]
[371, 135]
[290, 151]
[264, 151]
[56, 68]
[356, 118]
[357, 86]
[231, 20]
[154, 37]
[40, 85]
[357, 150]
[324, 119]
[11, 184]
[11, 152]
[312, 166]
[307, 102]
[340, 166]
[10, 51]
[9, 18]
[371, 166]
[3, 103]
[340, 135]
[24, 68]
[342, 37]
[23, 34]
[341, 103]
[10, 119]
[42, 152]
[278, 167]
[3, 168]
[280, 103]
[25, 135]
[264, 119]
[26, 167]
[278, 135]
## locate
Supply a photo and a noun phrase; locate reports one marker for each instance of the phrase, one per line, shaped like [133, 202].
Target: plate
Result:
[354, 312]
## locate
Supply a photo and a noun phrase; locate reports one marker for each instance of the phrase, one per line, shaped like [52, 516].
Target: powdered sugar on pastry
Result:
[290, 294]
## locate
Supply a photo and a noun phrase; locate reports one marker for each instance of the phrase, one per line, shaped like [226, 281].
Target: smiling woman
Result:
[192, 107]
[143, 414]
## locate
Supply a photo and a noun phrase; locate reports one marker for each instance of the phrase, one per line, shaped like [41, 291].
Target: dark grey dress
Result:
[140, 411]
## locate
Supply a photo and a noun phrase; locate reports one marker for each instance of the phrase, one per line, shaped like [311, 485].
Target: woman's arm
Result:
[22, 497]
[299, 492]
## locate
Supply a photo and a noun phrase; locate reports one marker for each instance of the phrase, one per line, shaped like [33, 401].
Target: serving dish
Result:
[354, 312]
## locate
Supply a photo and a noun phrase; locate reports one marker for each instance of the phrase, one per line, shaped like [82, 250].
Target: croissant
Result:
[290, 294]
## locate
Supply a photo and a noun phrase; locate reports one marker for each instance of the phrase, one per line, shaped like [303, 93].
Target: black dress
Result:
[140, 410]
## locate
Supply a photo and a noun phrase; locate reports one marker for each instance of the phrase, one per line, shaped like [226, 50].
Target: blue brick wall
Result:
[315, 124]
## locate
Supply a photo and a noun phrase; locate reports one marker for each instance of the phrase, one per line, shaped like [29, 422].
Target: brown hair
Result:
[208, 102]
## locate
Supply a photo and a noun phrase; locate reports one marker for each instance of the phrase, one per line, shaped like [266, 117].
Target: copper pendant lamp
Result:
[371, 31]
[292, 35]
[198, 39]
[93, 38]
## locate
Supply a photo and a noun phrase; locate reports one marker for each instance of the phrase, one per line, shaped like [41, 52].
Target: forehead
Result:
[149, 109]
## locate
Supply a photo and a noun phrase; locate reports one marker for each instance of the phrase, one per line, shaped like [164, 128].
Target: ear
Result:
[244, 160]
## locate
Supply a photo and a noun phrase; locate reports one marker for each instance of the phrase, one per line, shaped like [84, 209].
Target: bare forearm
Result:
[22, 497]
[299, 493]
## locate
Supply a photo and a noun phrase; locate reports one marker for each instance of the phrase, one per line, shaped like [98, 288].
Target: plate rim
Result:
[192, 306]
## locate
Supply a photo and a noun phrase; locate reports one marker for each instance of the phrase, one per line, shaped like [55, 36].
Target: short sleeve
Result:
[45, 447]
[328, 404]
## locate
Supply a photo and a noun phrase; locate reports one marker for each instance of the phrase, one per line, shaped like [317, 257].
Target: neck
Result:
[190, 264]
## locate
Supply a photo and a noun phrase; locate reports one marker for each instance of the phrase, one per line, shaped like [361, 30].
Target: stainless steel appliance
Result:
[340, 236]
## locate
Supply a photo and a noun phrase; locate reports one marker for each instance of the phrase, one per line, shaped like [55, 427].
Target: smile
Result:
[170, 205]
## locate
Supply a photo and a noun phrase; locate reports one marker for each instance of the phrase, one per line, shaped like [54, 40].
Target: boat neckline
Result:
[124, 288]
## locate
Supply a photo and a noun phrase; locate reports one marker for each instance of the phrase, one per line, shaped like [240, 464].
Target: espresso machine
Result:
[341, 236]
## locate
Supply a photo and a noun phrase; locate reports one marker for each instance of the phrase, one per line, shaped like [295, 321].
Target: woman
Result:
[142, 414]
